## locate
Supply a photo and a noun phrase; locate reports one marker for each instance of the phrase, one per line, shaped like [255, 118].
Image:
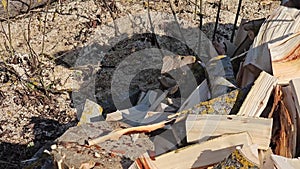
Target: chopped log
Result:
[237, 159]
[281, 23]
[143, 162]
[220, 75]
[137, 115]
[202, 127]
[265, 159]
[283, 132]
[285, 56]
[295, 89]
[251, 153]
[258, 96]
[170, 139]
[133, 115]
[203, 154]
[285, 163]
[200, 94]
[244, 38]
[115, 135]
[221, 105]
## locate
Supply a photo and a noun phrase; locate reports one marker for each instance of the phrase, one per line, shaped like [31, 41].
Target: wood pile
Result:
[253, 123]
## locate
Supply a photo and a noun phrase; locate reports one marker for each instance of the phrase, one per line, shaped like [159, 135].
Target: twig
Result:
[27, 40]
[195, 12]
[201, 15]
[44, 28]
[238, 56]
[217, 20]
[8, 36]
[236, 19]
[5, 162]
[176, 21]
[112, 15]
[4, 32]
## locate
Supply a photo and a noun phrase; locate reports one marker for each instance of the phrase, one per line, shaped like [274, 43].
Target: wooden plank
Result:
[258, 96]
[200, 94]
[285, 56]
[203, 154]
[280, 24]
[202, 127]
[285, 163]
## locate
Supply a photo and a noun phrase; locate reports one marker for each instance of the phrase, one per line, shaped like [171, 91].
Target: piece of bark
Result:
[203, 154]
[220, 75]
[241, 34]
[258, 96]
[167, 82]
[285, 163]
[290, 106]
[200, 94]
[285, 56]
[201, 127]
[169, 139]
[176, 62]
[92, 112]
[283, 138]
[115, 135]
[280, 24]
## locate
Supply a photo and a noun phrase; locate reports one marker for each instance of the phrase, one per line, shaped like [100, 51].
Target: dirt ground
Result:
[37, 79]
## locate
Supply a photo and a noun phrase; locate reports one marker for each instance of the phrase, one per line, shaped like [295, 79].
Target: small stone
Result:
[53, 147]
[97, 155]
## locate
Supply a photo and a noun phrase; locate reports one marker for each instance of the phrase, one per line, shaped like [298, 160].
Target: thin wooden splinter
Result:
[115, 135]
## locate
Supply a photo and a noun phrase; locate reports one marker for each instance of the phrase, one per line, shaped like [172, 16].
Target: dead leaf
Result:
[4, 3]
